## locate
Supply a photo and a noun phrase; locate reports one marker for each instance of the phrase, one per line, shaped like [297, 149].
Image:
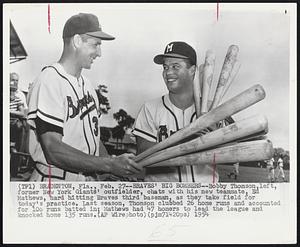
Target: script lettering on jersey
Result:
[84, 105]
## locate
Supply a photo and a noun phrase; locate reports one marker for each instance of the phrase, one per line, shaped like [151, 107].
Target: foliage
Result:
[105, 134]
[103, 100]
[124, 121]
[278, 152]
[118, 132]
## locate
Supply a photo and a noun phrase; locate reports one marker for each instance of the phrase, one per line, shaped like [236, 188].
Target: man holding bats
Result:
[161, 117]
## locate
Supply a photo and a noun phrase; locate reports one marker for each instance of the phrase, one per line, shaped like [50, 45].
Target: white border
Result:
[136, 231]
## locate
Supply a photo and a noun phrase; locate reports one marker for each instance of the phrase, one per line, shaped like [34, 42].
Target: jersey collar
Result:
[172, 106]
[71, 78]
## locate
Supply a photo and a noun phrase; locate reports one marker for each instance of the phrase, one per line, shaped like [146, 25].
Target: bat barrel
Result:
[235, 104]
[240, 152]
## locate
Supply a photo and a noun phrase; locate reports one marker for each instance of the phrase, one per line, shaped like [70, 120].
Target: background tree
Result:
[278, 152]
[118, 133]
[103, 100]
[105, 134]
[124, 121]
[286, 161]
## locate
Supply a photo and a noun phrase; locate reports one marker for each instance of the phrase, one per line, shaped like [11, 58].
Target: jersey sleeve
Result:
[43, 127]
[46, 101]
[144, 125]
[22, 97]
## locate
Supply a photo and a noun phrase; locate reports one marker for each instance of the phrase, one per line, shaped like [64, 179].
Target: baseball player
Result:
[18, 105]
[235, 171]
[280, 169]
[163, 116]
[270, 169]
[64, 112]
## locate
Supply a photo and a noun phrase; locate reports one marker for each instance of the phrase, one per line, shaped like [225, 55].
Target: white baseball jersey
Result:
[280, 162]
[67, 102]
[17, 101]
[270, 163]
[159, 119]
[236, 167]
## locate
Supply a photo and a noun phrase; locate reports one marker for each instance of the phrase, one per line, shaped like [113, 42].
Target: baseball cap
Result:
[84, 23]
[177, 49]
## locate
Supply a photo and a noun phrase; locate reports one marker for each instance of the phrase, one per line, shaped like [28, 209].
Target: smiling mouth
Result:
[170, 80]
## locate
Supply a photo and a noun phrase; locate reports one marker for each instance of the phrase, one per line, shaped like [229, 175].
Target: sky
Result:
[262, 33]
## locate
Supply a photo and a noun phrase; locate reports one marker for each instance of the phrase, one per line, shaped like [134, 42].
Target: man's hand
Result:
[17, 114]
[124, 165]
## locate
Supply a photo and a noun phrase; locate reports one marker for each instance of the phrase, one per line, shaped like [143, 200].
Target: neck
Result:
[70, 65]
[183, 100]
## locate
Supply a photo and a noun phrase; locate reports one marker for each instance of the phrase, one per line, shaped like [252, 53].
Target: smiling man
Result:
[64, 112]
[161, 117]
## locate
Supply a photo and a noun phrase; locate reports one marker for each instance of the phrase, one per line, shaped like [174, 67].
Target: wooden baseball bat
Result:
[235, 70]
[229, 108]
[208, 70]
[226, 134]
[254, 137]
[197, 85]
[226, 70]
[201, 67]
[257, 136]
[240, 152]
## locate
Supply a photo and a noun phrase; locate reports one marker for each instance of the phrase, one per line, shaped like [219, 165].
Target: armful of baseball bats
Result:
[239, 152]
[237, 130]
[230, 107]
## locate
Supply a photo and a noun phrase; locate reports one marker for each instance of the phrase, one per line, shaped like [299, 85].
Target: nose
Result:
[169, 71]
[98, 51]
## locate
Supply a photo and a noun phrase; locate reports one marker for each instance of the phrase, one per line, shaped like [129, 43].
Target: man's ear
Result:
[77, 41]
[193, 69]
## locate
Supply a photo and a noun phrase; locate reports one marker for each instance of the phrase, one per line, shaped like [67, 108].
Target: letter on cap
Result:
[169, 48]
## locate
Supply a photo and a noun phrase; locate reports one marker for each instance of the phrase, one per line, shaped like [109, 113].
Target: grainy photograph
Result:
[155, 94]
[141, 123]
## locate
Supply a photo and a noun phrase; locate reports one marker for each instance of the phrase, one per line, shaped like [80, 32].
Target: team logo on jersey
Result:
[83, 106]
[163, 132]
